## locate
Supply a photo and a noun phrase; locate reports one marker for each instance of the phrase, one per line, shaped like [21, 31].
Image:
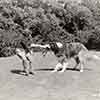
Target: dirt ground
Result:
[44, 85]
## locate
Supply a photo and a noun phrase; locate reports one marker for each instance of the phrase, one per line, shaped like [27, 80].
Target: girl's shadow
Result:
[17, 71]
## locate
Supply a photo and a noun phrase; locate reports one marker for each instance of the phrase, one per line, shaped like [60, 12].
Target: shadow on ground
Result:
[21, 72]
[18, 71]
[51, 69]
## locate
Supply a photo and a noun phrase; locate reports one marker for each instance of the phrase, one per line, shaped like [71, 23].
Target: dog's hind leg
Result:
[81, 66]
[82, 63]
[76, 58]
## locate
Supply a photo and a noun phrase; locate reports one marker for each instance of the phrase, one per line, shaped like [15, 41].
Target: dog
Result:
[65, 51]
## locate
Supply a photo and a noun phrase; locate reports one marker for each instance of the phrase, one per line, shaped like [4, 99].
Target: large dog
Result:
[64, 52]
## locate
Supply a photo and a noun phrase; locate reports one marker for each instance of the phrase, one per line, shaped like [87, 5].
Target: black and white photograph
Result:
[49, 49]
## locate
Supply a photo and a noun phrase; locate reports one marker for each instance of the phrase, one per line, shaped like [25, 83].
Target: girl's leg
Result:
[25, 67]
[30, 63]
[30, 68]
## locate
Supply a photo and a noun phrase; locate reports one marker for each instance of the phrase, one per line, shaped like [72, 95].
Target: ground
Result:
[44, 85]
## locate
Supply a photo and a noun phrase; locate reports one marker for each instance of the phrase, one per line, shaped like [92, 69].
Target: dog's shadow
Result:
[70, 69]
[51, 69]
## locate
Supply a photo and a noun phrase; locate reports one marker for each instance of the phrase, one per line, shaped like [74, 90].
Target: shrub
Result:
[42, 22]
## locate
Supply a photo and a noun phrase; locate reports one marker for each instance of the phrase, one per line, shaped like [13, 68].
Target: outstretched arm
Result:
[39, 45]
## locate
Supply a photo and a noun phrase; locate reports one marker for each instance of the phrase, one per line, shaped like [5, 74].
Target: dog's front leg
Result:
[58, 66]
[65, 65]
[81, 64]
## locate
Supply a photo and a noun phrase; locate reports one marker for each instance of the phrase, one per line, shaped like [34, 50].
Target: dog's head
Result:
[51, 46]
[54, 47]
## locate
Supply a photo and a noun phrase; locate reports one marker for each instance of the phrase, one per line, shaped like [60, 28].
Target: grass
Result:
[44, 85]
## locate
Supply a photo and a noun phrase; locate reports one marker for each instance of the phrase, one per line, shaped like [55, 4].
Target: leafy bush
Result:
[42, 22]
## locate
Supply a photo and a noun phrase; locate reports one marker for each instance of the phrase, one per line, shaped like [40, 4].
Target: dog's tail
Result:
[92, 56]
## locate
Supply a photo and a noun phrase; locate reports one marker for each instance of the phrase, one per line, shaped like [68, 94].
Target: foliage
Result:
[42, 22]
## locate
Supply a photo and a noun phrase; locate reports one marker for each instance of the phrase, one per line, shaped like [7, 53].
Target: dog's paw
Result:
[81, 70]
